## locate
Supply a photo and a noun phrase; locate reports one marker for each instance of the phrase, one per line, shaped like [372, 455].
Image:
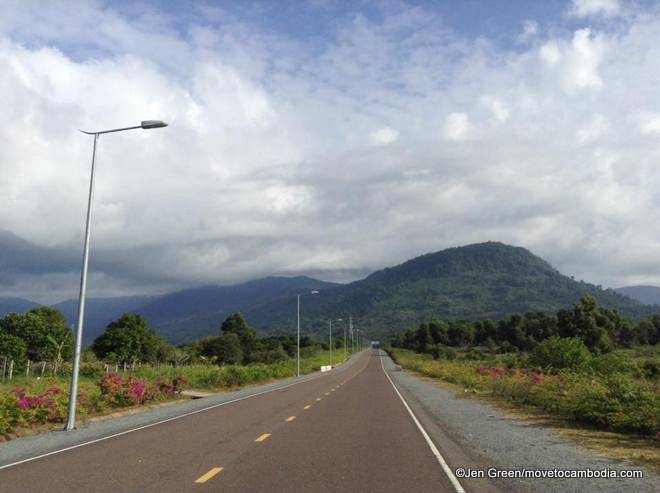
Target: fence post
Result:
[116, 367]
[27, 369]
[43, 368]
[4, 368]
[11, 369]
[124, 366]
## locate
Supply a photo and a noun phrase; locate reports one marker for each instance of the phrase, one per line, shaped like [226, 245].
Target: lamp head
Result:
[147, 124]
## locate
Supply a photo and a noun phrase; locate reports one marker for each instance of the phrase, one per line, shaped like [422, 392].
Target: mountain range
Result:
[486, 280]
[647, 295]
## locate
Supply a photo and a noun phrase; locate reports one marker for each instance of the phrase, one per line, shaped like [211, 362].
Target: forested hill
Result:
[486, 280]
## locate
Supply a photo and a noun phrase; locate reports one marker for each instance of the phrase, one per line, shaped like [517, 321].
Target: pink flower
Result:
[537, 378]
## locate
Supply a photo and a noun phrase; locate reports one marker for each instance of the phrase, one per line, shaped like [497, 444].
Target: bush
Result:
[614, 400]
[9, 412]
[438, 351]
[270, 355]
[474, 355]
[615, 362]
[556, 353]
[650, 368]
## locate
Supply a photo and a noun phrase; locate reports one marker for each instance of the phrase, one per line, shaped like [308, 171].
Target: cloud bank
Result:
[383, 138]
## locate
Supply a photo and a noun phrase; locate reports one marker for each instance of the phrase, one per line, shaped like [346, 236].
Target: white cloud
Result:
[283, 157]
[530, 29]
[594, 129]
[550, 53]
[498, 108]
[649, 123]
[457, 126]
[586, 8]
[384, 136]
[576, 64]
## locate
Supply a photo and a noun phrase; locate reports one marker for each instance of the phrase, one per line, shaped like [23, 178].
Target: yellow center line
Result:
[327, 393]
[290, 418]
[262, 437]
[208, 475]
[319, 398]
[307, 406]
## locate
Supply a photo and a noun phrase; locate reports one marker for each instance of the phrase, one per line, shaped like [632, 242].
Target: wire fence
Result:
[11, 368]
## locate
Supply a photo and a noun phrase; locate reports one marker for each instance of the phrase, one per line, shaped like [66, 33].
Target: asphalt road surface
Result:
[346, 431]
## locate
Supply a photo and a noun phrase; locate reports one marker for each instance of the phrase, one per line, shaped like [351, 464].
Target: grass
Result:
[548, 407]
[50, 411]
[617, 402]
[200, 377]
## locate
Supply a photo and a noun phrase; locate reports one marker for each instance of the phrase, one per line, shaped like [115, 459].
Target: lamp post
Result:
[350, 328]
[298, 344]
[337, 320]
[71, 421]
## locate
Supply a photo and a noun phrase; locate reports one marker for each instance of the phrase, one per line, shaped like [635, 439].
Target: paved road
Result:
[346, 431]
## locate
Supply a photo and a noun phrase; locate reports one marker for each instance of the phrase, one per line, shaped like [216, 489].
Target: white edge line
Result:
[125, 432]
[434, 449]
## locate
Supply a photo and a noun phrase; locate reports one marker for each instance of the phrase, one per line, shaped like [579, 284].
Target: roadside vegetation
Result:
[585, 364]
[129, 365]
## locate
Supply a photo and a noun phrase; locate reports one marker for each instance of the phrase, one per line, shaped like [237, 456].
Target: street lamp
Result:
[298, 345]
[337, 320]
[71, 421]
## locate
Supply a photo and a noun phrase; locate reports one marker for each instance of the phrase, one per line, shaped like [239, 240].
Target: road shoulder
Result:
[474, 434]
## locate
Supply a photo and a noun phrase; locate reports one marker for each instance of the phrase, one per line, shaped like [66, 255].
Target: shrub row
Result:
[21, 408]
[614, 401]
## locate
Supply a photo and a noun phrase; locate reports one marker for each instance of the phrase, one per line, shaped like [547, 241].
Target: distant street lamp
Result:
[350, 329]
[298, 345]
[71, 421]
[337, 320]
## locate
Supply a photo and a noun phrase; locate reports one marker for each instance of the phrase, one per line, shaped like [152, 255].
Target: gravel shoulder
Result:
[474, 434]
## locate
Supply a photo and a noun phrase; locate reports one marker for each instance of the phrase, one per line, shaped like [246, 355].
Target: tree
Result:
[12, 347]
[236, 324]
[128, 339]
[438, 330]
[34, 329]
[230, 349]
[423, 337]
[460, 333]
[594, 325]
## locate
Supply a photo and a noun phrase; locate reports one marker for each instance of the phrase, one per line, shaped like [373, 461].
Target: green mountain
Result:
[647, 295]
[18, 305]
[194, 313]
[486, 280]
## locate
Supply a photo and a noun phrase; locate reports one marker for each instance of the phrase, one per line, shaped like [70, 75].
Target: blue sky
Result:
[325, 138]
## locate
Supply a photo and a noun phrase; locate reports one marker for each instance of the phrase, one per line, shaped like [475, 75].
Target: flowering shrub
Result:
[118, 391]
[20, 408]
[617, 402]
[39, 408]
